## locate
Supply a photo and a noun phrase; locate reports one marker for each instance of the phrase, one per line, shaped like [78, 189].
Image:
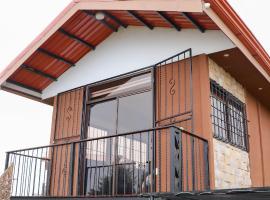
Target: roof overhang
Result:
[220, 15]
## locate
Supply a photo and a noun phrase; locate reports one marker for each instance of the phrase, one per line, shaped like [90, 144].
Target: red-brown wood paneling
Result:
[69, 115]
[66, 127]
[173, 97]
[259, 140]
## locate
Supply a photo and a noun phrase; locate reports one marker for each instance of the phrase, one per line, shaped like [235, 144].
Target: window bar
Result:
[228, 117]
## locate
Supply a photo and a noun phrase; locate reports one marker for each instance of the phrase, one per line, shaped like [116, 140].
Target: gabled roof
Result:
[76, 32]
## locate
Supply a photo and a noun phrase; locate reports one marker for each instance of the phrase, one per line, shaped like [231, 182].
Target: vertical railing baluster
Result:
[206, 164]
[7, 160]
[181, 161]
[40, 165]
[153, 163]
[49, 173]
[22, 175]
[193, 164]
[172, 159]
[71, 169]
[159, 160]
[35, 167]
[30, 174]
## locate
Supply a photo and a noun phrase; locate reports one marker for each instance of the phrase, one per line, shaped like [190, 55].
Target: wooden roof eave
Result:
[75, 5]
[226, 18]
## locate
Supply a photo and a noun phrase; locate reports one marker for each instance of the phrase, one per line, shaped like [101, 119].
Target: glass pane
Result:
[100, 153]
[135, 112]
[133, 163]
[102, 119]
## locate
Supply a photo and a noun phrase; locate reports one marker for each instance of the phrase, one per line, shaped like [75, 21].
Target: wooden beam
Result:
[55, 56]
[169, 20]
[106, 24]
[193, 21]
[36, 71]
[115, 19]
[23, 86]
[90, 46]
[141, 19]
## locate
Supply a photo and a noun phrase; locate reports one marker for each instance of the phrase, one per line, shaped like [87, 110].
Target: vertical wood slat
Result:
[168, 105]
[66, 127]
[69, 114]
[173, 93]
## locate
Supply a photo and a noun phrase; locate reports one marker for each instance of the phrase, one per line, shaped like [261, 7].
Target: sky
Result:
[26, 123]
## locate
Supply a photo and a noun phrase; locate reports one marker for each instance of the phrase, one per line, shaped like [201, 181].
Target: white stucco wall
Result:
[134, 48]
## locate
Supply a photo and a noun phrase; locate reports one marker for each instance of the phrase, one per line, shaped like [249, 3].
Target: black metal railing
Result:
[158, 160]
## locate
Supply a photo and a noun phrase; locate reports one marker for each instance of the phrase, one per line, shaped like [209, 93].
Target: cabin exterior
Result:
[151, 99]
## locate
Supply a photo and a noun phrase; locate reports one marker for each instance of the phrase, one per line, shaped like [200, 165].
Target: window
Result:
[228, 113]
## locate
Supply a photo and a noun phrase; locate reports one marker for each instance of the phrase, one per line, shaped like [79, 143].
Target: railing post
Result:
[172, 163]
[206, 158]
[154, 162]
[71, 168]
[7, 160]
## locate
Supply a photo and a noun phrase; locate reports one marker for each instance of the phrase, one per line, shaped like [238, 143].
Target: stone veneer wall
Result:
[5, 183]
[231, 164]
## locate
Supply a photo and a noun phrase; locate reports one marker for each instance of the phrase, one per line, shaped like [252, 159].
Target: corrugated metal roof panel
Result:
[70, 42]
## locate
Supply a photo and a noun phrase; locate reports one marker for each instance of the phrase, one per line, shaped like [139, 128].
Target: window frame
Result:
[232, 116]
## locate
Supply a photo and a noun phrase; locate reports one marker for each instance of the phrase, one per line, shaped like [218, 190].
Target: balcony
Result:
[164, 160]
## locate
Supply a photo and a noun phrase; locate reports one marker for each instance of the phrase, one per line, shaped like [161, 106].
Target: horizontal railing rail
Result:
[157, 160]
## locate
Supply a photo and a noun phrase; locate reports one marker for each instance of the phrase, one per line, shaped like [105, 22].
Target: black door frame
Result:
[82, 181]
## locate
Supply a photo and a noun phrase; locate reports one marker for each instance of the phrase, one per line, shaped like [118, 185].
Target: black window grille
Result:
[229, 121]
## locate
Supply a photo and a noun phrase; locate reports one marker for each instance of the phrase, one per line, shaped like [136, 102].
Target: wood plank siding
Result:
[259, 140]
[66, 127]
[173, 106]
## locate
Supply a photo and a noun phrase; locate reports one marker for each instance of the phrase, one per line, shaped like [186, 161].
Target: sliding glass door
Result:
[117, 165]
